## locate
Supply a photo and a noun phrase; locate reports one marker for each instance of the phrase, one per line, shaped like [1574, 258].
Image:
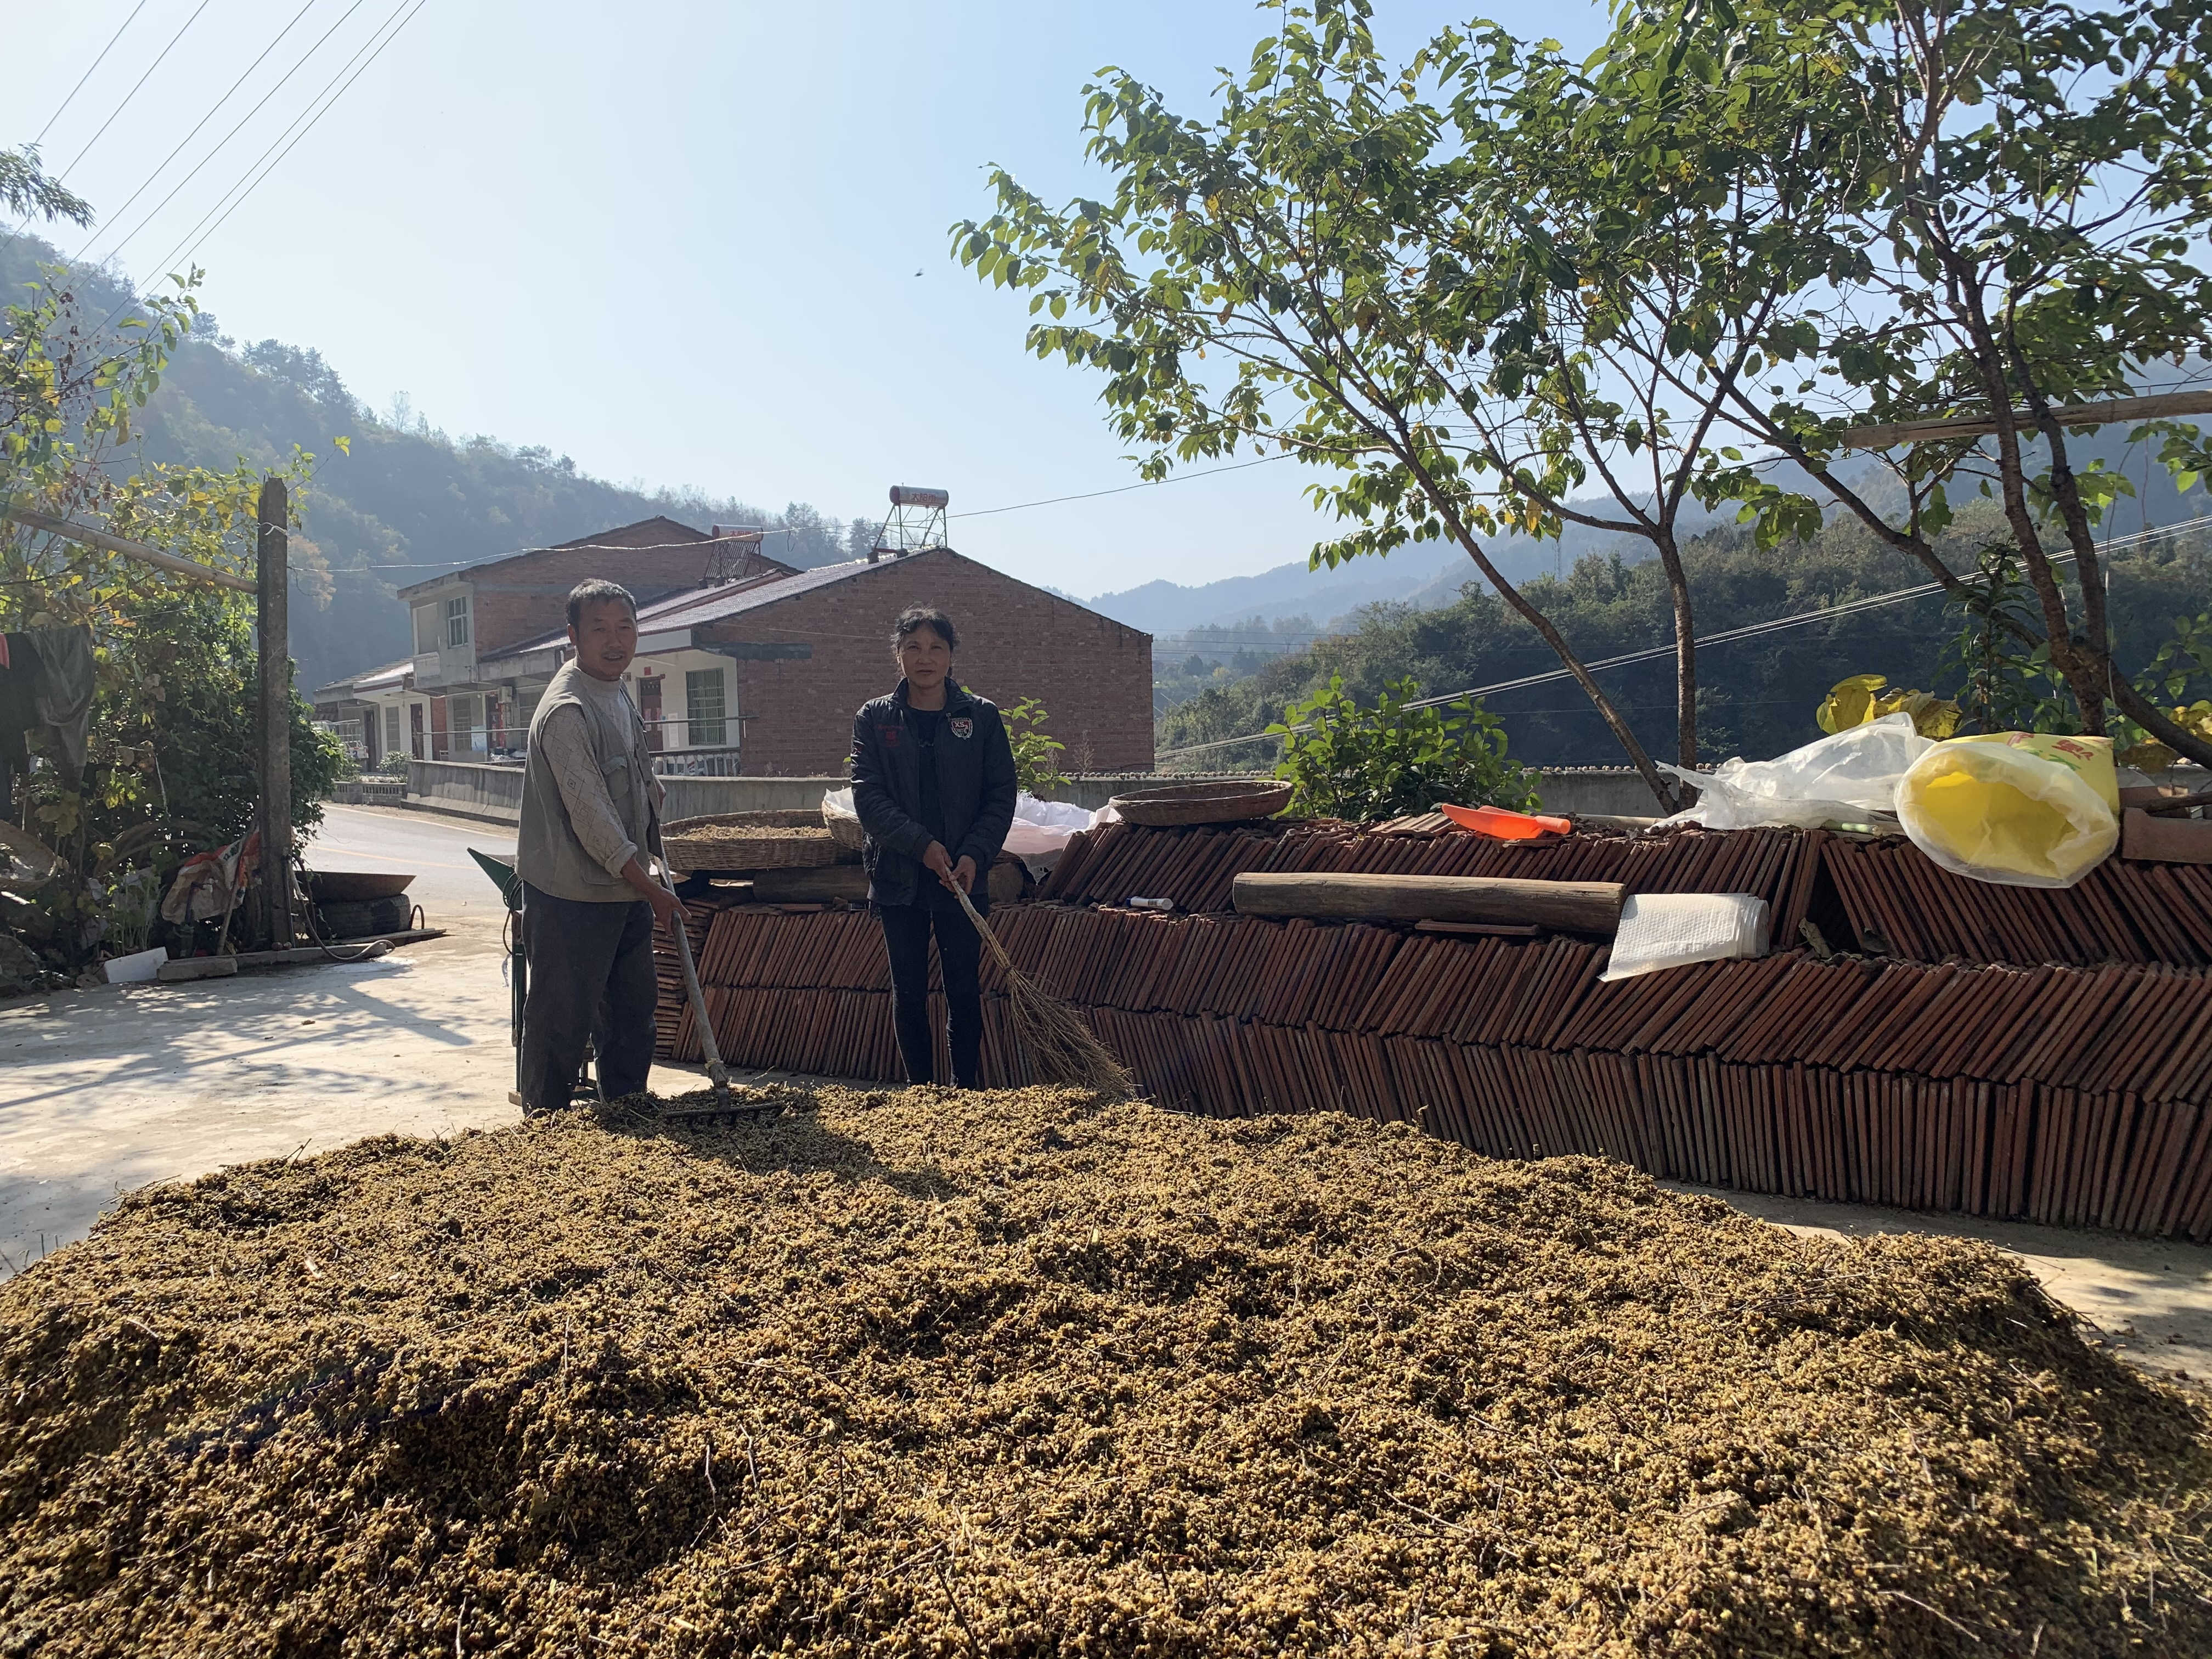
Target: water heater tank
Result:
[917, 495]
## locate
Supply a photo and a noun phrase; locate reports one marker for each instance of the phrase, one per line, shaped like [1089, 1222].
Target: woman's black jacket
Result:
[975, 790]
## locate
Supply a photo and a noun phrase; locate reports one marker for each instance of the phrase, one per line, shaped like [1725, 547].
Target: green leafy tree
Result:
[1367, 763]
[2011, 206]
[1362, 271]
[172, 731]
[27, 192]
[1037, 766]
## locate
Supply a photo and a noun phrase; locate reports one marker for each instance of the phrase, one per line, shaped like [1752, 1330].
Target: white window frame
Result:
[696, 680]
[457, 620]
[395, 729]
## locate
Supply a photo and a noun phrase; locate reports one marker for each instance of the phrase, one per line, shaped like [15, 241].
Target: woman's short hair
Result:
[924, 615]
[596, 591]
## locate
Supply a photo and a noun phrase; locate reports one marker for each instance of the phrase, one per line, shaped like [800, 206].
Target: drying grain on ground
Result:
[1021, 1373]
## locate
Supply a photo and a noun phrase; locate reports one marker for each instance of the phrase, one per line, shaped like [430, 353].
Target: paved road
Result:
[105, 1089]
[452, 890]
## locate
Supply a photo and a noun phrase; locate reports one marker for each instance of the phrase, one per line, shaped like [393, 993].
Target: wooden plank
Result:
[1590, 907]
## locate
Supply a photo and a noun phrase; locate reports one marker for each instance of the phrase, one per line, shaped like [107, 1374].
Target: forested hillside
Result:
[1757, 696]
[408, 502]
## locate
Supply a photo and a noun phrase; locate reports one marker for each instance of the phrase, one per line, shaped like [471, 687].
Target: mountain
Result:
[410, 502]
[1427, 574]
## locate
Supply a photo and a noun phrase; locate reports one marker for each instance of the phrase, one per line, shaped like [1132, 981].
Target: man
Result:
[591, 818]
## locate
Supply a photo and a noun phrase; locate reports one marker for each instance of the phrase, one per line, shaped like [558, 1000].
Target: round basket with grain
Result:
[1204, 803]
[732, 842]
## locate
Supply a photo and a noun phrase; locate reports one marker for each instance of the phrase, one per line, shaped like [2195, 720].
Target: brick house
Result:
[744, 665]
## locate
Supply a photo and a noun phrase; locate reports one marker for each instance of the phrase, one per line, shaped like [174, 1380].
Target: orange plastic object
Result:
[1495, 821]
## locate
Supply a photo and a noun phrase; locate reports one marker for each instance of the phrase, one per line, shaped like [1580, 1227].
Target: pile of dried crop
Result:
[1020, 1373]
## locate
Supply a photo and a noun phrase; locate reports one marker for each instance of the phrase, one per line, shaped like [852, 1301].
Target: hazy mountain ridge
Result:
[408, 503]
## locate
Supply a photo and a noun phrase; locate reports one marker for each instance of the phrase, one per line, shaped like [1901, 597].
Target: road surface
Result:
[452, 890]
[106, 1089]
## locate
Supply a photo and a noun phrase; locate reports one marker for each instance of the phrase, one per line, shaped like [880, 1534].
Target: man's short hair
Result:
[925, 616]
[596, 591]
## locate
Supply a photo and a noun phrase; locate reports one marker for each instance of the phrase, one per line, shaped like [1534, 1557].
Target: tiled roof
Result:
[696, 607]
[373, 679]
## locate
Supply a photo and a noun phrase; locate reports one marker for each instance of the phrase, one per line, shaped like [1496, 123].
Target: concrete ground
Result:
[104, 1090]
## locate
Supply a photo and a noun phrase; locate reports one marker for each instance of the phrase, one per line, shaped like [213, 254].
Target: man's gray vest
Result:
[547, 853]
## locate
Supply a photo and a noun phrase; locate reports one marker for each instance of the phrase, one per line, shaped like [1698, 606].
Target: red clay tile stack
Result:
[2052, 1088]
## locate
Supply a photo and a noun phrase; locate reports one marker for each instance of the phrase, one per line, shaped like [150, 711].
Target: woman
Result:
[933, 783]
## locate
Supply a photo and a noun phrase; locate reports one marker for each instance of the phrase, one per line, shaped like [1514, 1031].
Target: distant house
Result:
[744, 665]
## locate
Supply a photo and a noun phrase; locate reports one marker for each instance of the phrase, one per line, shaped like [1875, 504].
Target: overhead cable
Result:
[188, 138]
[196, 236]
[133, 92]
[88, 74]
[1120, 490]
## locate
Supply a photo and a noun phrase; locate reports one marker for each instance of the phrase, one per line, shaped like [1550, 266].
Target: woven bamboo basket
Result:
[1203, 803]
[846, 832]
[729, 843]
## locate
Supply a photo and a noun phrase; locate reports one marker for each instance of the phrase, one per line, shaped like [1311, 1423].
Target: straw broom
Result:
[1060, 1047]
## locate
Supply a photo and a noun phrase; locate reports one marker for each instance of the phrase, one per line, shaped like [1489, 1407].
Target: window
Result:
[392, 741]
[464, 721]
[426, 628]
[704, 709]
[457, 621]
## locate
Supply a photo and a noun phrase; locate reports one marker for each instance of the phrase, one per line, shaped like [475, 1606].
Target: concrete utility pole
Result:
[271, 601]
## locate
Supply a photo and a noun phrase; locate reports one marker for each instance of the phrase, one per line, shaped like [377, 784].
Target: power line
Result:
[1123, 489]
[1853, 607]
[133, 92]
[259, 104]
[193, 134]
[88, 74]
[256, 178]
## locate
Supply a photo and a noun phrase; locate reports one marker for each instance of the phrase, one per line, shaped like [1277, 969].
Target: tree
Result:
[1329, 234]
[1386, 761]
[2012, 203]
[27, 192]
[172, 711]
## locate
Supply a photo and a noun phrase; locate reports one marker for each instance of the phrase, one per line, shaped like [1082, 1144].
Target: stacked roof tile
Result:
[2074, 1087]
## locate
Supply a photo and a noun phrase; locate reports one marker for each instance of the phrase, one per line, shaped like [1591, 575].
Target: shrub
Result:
[1391, 760]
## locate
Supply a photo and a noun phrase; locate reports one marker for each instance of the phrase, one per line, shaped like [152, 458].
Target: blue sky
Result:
[679, 241]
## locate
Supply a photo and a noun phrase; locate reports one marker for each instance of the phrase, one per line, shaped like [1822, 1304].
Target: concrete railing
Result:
[495, 791]
[492, 791]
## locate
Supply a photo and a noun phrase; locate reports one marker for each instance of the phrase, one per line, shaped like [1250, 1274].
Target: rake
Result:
[722, 1103]
[1060, 1047]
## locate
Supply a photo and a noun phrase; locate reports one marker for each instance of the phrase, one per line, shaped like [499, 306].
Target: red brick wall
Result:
[1093, 675]
[520, 598]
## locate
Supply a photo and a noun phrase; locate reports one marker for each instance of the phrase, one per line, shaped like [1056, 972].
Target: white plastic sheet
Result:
[1039, 833]
[1672, 930]
[1042, 829]
[1846, 777]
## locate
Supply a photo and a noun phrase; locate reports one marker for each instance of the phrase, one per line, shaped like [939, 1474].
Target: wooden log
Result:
[817, 884]
[2164, 841]
[2164, 407]
[1590, 907]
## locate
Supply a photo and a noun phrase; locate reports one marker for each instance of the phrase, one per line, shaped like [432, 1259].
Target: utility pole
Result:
[271, 601]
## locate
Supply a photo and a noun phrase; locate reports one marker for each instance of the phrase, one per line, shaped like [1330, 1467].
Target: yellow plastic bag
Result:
[2019, 808]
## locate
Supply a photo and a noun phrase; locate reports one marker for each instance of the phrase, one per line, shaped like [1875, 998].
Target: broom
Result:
[1060, 1047]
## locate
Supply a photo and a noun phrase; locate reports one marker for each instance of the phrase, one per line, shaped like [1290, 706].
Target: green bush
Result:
[1366, 764]
[1035, 770]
